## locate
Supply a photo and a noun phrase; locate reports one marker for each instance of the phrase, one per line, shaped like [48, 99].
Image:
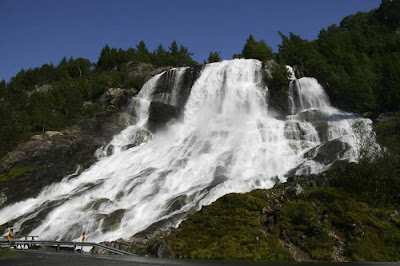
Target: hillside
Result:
[314, 221]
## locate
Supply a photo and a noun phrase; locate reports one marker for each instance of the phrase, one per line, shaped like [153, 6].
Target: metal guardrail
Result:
[57, 244]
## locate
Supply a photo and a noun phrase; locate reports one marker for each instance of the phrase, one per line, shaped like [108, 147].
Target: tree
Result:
[2, 88]
[365, 140]
[214, 57]
[257, 50]
[142, 53]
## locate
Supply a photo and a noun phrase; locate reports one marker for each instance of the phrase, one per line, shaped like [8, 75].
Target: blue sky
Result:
[43, 31]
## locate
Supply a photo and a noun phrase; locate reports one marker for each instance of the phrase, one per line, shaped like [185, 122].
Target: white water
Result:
[227, 142]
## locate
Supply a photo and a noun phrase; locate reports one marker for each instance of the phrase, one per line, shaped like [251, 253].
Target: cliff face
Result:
[48, 158]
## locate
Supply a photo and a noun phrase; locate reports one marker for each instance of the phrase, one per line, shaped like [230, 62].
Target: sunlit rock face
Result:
[223, 137]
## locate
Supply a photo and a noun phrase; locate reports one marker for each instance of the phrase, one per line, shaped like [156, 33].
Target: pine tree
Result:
[214, 57]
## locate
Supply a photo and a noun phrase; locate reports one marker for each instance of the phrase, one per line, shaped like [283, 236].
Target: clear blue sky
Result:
[34, 32]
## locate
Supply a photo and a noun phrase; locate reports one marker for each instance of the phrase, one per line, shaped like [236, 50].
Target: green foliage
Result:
[227, 230]
[309, 221]
[257, 50]
[25, 110]
[318, 222]
[376, 177]
[358, 61]
[214, 57]
[279, 76]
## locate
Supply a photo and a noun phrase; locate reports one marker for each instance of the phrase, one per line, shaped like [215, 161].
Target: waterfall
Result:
[227, 141]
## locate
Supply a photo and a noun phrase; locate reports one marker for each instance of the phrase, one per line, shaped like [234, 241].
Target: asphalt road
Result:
[28, 257]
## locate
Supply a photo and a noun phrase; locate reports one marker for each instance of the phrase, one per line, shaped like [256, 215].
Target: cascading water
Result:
[227, 141]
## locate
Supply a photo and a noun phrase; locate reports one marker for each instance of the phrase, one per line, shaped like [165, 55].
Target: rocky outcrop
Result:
[43, 160]
[329, 152]
[117, 97]
[160, 114]
[174, 87]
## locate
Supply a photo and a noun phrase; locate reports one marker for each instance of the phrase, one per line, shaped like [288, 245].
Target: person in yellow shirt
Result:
[10, 235]
[83, 237]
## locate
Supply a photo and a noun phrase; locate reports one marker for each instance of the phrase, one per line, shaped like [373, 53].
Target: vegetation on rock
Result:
[320, 224]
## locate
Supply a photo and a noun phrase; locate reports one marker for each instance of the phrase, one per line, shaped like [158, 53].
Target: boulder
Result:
[159, 248]
[51, 134]
[140, 136]
[112, 221]
[38, 137]
[328, 152]
[295, 190]
[117, 97]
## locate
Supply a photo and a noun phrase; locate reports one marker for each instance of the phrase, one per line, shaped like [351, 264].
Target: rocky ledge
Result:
[48, 157]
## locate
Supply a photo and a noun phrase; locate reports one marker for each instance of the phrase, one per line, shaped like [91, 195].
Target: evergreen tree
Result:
[142, 53]
[104, 60]
[257, 50]
[2, 89]
[214, 57]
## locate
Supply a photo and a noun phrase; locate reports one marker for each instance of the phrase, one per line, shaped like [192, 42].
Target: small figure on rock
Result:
[83, 237]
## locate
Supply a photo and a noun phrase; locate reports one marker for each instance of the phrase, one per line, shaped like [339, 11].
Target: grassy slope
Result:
[323, 223]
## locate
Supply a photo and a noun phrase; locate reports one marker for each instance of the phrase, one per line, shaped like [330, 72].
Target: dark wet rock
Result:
[278, 102]
[159, 249]
[298, 71]
[177, 203]
[328, 152]
[95, 205]
[112, 221]
[160, 114]
[167, 83]
[312, 115]
[121, 244]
